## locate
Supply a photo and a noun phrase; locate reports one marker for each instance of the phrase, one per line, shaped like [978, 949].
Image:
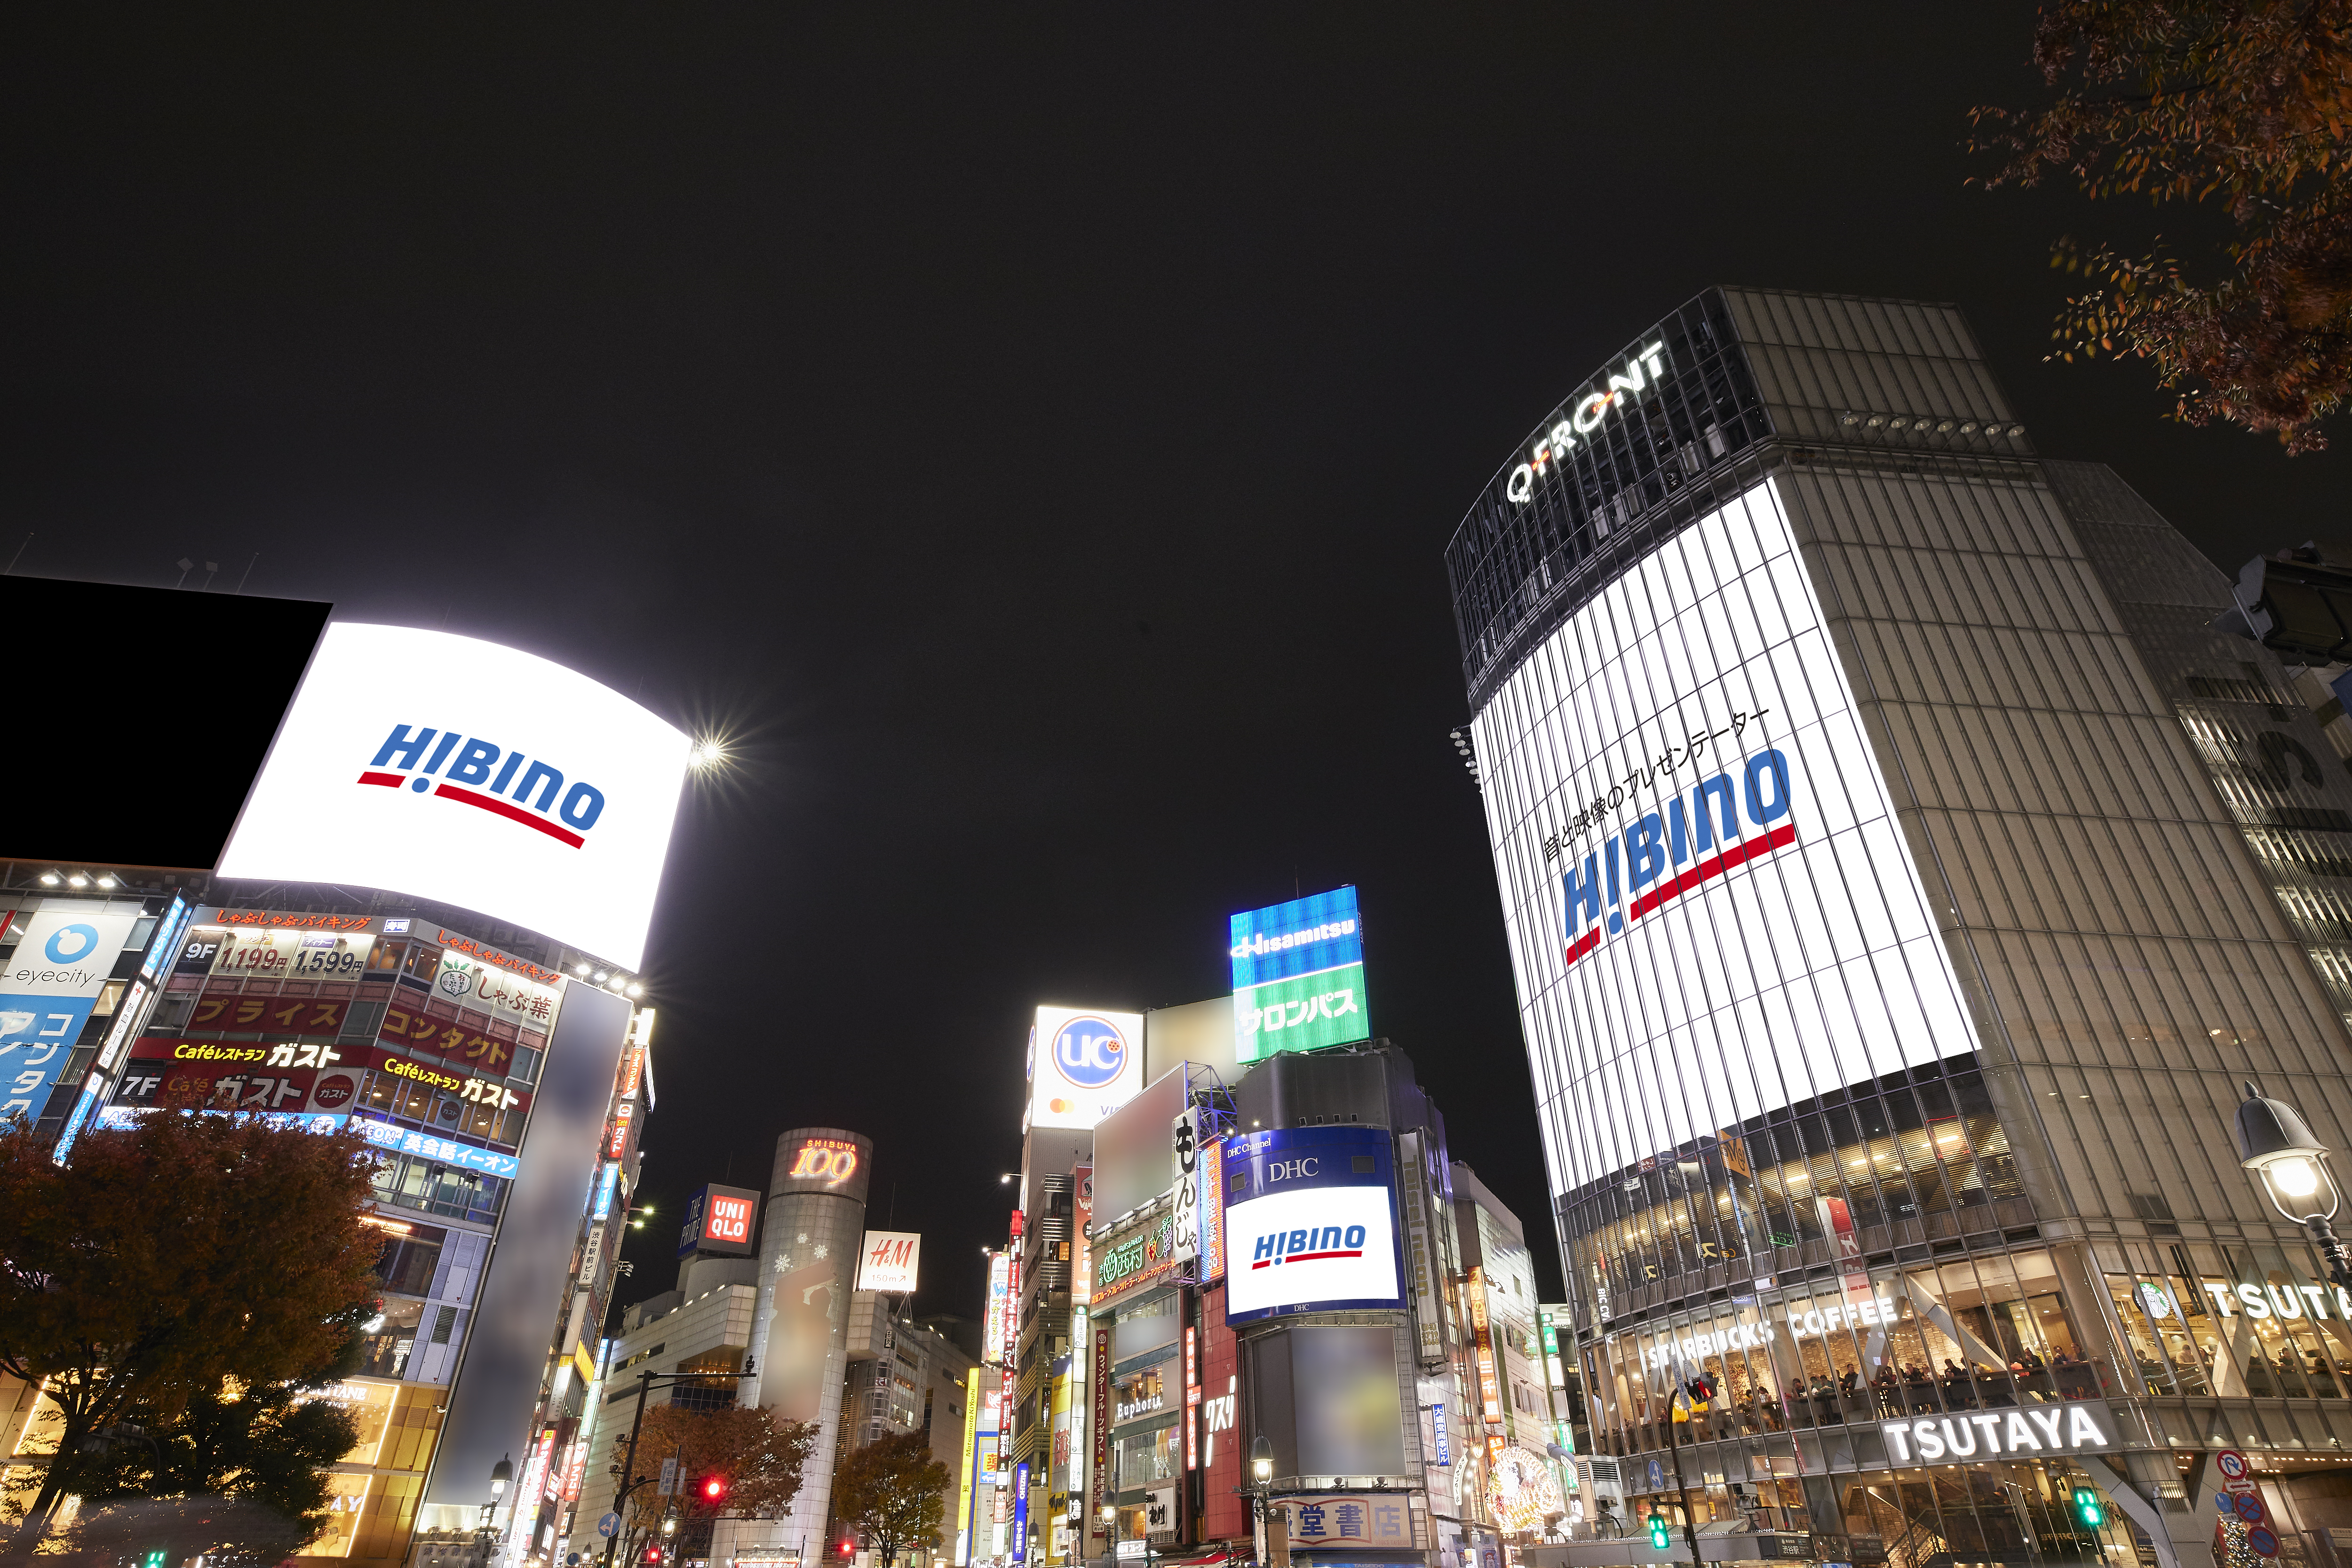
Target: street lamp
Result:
[1262, 1463]
[500, 1473]
[2275, 1143]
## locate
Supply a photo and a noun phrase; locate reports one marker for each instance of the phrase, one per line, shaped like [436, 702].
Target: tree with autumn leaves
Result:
[2241, 109]
[893, 1491]
[758, 1457]
[171, 1291]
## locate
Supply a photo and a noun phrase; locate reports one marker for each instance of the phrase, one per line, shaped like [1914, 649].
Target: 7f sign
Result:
[886, 1261]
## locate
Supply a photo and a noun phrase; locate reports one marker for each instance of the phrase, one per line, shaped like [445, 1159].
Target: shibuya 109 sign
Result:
[473, 774]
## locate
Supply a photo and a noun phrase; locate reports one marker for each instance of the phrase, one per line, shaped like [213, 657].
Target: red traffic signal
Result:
[710, 1489]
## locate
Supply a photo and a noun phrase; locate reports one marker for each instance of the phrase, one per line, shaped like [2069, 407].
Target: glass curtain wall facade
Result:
[1892, 948]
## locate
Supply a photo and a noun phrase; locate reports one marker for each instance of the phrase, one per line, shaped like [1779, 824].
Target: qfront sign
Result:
[473, 774]
[1299, 976]
[1310, 1222]
[1582, 415]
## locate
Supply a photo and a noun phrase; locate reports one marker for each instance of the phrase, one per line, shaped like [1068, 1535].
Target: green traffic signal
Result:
[2089, 1508]
[153, 1559]
[1658, 1536]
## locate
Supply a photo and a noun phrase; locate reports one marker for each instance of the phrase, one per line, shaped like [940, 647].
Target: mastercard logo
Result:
[1061, 1107]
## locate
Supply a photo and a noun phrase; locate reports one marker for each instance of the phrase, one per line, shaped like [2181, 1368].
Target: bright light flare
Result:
[710, 753]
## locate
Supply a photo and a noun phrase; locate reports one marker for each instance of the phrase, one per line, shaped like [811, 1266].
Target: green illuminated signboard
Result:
[1302, 1012]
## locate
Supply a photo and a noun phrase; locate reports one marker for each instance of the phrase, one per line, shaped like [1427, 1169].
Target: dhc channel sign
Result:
[1628, 876]
[1310, 1222]
[539, 799]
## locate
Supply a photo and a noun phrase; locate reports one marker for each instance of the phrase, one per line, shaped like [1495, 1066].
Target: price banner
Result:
[289, 954]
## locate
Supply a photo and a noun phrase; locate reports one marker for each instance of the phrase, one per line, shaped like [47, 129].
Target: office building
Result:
[1904, 887]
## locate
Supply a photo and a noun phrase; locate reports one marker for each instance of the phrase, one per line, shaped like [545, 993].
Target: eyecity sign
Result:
[1582, 415]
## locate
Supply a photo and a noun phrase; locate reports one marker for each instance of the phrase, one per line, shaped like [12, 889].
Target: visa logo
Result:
[539, 799]
[1628, 877]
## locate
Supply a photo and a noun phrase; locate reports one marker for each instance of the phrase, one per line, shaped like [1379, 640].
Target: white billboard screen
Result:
[473, 774]
[1084, 1063]
[888, 1260]
[1711, 908]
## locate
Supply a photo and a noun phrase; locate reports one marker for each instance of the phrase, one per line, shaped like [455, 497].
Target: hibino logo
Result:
[1640, 857]
[1305, 1245]
[539, 800]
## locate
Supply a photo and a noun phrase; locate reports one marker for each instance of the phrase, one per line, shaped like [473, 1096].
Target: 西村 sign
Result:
[1299, 976]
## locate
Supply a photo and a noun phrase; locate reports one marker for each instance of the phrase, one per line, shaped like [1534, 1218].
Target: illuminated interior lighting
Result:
[401, 1225]
[77, 880]
[49, 879]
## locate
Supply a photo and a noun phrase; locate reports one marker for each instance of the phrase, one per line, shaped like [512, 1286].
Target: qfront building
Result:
[1906, 889]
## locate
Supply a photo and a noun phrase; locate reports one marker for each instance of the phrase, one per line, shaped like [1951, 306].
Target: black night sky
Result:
[1030, 433]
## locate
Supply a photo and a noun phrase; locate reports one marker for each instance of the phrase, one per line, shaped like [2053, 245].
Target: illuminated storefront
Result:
[1888, 900]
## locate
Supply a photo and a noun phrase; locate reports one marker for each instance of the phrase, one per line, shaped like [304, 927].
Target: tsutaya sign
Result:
[1584, 415]
[2069, 1427]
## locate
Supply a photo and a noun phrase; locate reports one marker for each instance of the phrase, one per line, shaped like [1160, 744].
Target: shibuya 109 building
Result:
[1910, 891]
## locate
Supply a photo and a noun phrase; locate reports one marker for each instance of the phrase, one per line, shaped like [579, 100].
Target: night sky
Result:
[1029, 434]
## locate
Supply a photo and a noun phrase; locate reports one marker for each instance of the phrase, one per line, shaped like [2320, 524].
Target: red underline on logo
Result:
[515, 813]
[1305, 1258]
[393, 781]
[1715, 866]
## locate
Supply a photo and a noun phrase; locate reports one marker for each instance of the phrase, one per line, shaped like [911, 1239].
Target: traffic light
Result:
[1659, 1539]
[154, 1558]
[2089, 1508]
[710, 1490]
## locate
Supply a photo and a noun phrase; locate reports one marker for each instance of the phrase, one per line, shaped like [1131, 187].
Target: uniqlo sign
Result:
[727, 1219]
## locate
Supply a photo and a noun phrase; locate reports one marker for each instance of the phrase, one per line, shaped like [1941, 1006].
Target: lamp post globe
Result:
[1262, 1461]
[2276, 1144]
[501, 1474]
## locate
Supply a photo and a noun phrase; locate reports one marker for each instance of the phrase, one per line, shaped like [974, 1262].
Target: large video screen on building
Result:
[1710, 905]
[477, 775]
[1310, 1222]
[1299, 976]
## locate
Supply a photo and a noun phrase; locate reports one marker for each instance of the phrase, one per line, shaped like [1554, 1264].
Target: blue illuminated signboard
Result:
[1310, 1222]
[1299, 976]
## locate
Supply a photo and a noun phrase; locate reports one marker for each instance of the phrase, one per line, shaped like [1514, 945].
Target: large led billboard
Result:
[1084, 1063]
[1299, 976]
[1309, 1222]
[476, 775]
[1711, 907]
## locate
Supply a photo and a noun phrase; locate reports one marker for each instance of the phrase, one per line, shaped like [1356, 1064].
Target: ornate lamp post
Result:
[2275, 1143]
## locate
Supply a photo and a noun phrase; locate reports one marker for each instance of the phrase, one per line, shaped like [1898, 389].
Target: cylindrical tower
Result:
[808, 1258]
